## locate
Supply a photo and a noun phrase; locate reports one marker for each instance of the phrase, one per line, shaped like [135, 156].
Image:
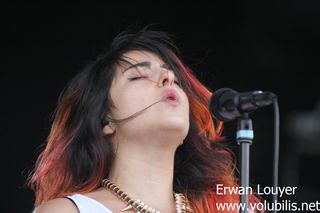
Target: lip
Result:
[171, 97]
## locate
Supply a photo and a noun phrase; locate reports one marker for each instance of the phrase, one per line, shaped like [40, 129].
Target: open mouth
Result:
[171, 97]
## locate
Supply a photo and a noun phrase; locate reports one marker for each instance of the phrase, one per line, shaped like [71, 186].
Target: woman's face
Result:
[147, 85]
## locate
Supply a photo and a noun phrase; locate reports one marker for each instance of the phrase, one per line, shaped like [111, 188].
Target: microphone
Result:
[227, 104]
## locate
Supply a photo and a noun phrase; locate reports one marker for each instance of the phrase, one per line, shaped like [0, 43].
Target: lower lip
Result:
[172, 102]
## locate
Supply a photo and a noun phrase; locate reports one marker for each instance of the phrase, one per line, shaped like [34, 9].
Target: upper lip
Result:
[170, 94]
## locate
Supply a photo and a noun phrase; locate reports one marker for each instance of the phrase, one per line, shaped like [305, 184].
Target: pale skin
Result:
[145, 145]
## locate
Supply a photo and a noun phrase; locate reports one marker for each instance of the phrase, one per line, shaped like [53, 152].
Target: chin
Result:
[176, 124]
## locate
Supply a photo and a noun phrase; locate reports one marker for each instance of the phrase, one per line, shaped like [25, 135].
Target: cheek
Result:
[128, 101]
[185, 101]
[133, 100]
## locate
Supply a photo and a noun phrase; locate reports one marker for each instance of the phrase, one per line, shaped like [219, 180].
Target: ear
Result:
[108, 129]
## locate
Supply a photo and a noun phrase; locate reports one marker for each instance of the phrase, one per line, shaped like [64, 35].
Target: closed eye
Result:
[177, 82]
[137, 78]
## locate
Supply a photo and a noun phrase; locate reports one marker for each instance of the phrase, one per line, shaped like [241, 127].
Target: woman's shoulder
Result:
[98, 200]
[57, 205]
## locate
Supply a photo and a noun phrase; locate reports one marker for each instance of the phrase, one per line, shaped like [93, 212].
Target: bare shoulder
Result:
[100, 194]
[107, 199]
[58, 205]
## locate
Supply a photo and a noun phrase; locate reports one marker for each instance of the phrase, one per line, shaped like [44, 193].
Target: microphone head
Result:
[227, 104]
[222, 106]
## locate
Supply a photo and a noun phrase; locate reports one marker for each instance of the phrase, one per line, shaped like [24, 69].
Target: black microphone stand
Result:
[244, 139]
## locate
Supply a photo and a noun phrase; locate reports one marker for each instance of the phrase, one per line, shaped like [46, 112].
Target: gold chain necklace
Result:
[139, 206]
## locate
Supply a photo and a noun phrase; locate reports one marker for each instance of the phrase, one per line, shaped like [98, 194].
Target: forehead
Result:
[134, 57]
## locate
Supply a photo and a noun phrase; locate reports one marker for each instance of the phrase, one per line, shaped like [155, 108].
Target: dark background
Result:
[245, 45]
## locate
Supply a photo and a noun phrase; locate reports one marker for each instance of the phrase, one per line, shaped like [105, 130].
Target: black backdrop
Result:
[266, 45]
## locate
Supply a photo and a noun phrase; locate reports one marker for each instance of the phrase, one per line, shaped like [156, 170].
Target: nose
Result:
[166, 78]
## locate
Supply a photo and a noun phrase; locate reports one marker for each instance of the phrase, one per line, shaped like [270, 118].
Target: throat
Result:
[143, 173]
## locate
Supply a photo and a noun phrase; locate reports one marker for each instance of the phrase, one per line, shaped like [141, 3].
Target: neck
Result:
[145, 173]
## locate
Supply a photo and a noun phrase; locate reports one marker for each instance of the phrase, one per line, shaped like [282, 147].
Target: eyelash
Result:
[137, 78]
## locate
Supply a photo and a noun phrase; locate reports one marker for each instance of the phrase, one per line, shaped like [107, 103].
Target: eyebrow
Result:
[144, 64]
[141, 64]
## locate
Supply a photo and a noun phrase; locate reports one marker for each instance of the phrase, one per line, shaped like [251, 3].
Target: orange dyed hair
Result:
[77, 157]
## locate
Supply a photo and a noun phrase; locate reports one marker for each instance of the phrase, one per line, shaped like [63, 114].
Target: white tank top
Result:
[88, 205]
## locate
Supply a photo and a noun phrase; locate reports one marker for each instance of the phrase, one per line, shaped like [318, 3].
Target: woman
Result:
[132, 132]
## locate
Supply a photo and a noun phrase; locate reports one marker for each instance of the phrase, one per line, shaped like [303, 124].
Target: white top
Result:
[88, 205]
